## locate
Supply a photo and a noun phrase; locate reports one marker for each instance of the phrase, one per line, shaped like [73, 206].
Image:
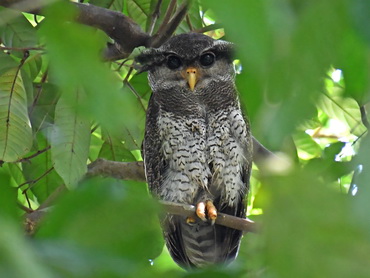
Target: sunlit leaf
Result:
[345, 110]
[306, 145]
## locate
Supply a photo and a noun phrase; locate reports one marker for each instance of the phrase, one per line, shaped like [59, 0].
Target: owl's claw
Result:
[201, 211]
[212, 211]
[190, 220]
[206, 209]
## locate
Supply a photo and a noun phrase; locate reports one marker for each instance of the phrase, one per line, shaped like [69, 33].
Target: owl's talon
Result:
[206, 210]
[211, 211]
[201, 211]
[190, 220]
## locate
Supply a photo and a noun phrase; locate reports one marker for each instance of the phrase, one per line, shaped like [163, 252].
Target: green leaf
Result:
[70, 140]
[109, 217]
[18, 32]
[194, 18]
[6, 62]
[345, 110]
[356, 67]
[312, 224]
[307, 147]
[8, 196]
[42, 110]
[17, 257]
[39, 169]
[114, 149]
[15, 128]
[78, 64]
[140, 10]
[32, 65]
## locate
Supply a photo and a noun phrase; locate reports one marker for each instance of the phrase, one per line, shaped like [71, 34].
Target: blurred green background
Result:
[304, 81]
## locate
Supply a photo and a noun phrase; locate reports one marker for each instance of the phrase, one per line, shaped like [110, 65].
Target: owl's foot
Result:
[206, 210]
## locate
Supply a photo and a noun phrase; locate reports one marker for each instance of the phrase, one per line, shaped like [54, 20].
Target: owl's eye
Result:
[207, 59]
[173, 62]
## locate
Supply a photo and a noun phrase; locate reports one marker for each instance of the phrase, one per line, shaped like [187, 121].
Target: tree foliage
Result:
[67, 99]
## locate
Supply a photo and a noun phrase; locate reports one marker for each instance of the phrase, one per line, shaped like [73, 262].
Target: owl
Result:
[197, 147]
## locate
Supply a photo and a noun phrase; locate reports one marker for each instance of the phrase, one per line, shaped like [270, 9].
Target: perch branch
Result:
[242, 224]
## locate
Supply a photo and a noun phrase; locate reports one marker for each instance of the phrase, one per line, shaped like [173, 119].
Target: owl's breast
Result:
[184, 148]
[229, 151]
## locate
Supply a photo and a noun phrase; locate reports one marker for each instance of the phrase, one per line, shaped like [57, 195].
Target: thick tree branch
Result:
[126, 33]
[118, 170]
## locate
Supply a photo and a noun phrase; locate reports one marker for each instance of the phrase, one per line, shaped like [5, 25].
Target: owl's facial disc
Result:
[192, 76]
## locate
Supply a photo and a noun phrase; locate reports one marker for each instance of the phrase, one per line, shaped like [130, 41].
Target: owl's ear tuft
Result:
[224, 49]
[148, 58]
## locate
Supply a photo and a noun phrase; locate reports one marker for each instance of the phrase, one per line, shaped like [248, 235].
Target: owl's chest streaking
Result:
[206, 153]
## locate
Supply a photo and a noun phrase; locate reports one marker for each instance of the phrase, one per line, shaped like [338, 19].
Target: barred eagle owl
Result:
[198, 146]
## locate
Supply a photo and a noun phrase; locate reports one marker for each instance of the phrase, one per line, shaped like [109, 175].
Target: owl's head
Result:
[188, 63]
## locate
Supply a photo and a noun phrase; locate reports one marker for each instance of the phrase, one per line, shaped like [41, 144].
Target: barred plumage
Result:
[197, 145]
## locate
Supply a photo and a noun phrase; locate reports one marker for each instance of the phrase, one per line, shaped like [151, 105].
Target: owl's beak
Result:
[192, 76]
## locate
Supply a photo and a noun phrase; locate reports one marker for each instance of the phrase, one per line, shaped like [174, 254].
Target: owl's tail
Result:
[201, 244]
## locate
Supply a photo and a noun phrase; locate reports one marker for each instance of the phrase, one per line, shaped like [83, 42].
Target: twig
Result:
[132, 89]
[364, 117]
[21, 48]
[208, 28]
[167, 17]
[168, 30]
[32, 182]
[187, 17]
[26, 209]
[28, 200]
[242, 224]
[154, 17]
[39, 91]
[27, 158]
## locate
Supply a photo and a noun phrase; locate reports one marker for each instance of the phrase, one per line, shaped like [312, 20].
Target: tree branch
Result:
[118, 170]
[165, 33]
[242, 224]
[126, 33]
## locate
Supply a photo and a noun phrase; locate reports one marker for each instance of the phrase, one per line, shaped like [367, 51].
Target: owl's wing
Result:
[155, 166]
[154, 161]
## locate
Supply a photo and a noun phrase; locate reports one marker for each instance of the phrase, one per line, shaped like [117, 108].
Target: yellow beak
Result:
[192, 76]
